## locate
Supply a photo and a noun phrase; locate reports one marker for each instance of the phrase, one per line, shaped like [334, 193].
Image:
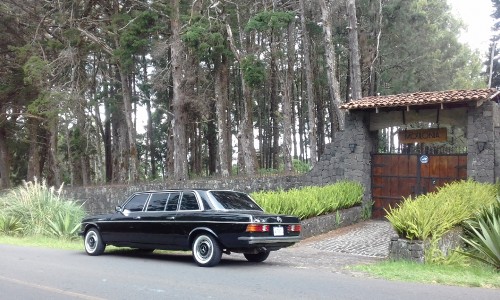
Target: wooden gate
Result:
[395, 176]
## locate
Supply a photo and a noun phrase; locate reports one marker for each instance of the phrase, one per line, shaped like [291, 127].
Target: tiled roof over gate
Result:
[423, 98]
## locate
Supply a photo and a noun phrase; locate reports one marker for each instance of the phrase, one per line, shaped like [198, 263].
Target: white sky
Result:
[476, 15]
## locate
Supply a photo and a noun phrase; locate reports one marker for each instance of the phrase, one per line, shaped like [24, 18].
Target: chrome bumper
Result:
[269, 240]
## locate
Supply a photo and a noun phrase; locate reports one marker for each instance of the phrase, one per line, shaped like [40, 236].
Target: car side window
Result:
[172, 202]
[137, 202]
[189, 202]
[158, 201]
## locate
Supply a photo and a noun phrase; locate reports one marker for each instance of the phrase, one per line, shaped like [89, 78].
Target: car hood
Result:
[94, 218]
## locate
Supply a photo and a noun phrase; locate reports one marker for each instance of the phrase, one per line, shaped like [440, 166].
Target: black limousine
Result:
[207, 222]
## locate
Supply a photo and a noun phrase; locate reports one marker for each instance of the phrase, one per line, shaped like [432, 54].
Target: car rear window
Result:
[233, 200]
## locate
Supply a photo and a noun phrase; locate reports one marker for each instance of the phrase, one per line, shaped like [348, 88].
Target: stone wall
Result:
[323, 224]
[414, 250]
[483, 126]
[496, 136]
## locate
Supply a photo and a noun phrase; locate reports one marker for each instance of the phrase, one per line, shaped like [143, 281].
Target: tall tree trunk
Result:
[355, 69]
[274, 105]
[151, 140]
[222, 110]
[309, 86]
[34, 158]
[5, 160]
[149, 126]
[108, 146]
[245, 132]
[120, 151]
[53, 172]
[288, 100]
[133, 171]
[331, 64]
[213, 141]
[179, 120]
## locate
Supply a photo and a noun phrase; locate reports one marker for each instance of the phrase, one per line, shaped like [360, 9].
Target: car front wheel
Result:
[206, 250]
[257, 257]
[94, 244]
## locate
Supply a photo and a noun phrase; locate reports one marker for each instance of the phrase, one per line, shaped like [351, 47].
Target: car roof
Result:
[187, 189]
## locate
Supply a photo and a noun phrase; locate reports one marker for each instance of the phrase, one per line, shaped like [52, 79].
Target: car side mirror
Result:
[118, 208]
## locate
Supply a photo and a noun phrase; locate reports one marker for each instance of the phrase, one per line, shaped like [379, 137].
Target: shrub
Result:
[433, 214]
[311, 201]
[10, 225]
[38, 208]
[484, 236]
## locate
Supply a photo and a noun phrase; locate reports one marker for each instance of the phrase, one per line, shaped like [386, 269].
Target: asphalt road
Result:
[34, 273]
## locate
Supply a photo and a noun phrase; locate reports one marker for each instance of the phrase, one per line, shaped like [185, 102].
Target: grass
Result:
[475, 275]
[42, 242]
[58, 243]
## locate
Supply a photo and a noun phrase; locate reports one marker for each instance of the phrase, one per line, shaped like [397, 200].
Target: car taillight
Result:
[294, 228]
[257, 228]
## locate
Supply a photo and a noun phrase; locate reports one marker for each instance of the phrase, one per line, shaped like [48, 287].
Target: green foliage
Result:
[63, 225]
[206, 39]
[484, 232]
[36, 70]
[311, 201]
[254, 71]
[10, 225]
[39, 209]
[135, 31]
[267, 20]
[366, 213]
[422, 55]
[433, 214]
[434, 255]
[300, 166]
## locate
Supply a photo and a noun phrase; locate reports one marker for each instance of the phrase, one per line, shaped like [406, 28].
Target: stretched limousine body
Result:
[207, 222]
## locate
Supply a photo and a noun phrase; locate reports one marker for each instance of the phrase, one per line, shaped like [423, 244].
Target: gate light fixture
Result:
[352, 147]
[480, 146]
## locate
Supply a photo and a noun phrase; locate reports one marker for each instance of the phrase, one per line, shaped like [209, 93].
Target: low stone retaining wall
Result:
[414, 250]
[103, 199]
[323, 224]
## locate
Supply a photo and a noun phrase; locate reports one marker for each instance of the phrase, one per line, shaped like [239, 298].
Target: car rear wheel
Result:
[206, 250]
[257, 257]
[94, 245]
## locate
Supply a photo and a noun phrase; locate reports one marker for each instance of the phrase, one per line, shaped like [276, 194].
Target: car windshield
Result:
[223, 200]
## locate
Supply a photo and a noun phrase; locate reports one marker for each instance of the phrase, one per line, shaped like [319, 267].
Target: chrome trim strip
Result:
[269, 240]
[175, 221]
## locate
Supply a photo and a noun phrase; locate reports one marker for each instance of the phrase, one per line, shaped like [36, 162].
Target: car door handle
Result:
[170, 218]
[137, 218]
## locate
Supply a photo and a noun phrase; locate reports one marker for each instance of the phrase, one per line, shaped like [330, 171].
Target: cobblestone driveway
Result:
[370, 238]
[362, 243]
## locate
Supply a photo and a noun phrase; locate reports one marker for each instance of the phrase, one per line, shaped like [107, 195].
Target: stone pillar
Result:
[357, 165]
[481, 163]
[496, 136]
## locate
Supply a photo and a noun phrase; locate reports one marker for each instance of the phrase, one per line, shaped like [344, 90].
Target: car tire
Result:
[257, 257]
[94, 245]
[206, 250]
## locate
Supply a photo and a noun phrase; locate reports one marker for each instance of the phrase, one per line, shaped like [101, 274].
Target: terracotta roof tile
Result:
[422, 98]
